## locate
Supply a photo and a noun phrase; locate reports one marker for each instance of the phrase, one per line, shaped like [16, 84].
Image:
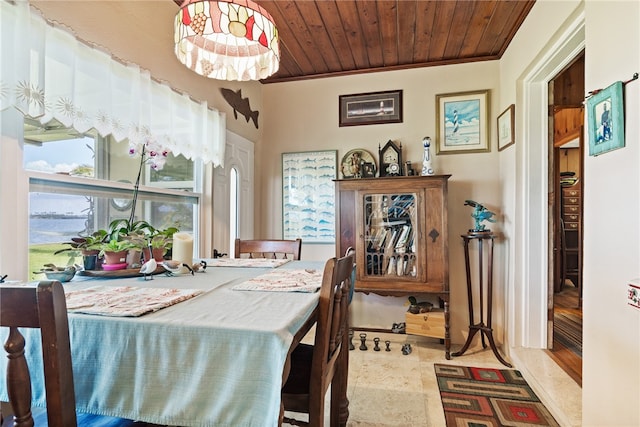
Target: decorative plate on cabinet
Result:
[358, 163]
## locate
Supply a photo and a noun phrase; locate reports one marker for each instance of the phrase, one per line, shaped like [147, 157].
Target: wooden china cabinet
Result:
[398, 228]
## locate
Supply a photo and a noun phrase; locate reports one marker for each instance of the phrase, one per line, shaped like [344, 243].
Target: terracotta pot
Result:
[158, 254]
[115, 257]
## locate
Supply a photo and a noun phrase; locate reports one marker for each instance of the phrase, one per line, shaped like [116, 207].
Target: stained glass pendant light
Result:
[227, 39]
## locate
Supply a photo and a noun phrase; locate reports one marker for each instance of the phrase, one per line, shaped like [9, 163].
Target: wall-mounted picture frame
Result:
[308, 203]
[370, 108]
[462, 122]
[506, 128]
[605, 116]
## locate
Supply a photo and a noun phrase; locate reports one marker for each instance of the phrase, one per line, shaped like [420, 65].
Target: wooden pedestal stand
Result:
[483, 237]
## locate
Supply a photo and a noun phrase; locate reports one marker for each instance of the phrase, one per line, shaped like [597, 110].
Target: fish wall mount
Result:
[240, 105]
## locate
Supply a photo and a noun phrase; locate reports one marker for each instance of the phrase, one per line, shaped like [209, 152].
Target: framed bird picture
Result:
[462, 122]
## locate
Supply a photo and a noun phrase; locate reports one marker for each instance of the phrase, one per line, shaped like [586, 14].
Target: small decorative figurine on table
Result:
[480, 214]
[426, 157]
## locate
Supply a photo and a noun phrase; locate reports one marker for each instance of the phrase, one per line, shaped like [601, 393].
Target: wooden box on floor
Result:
[429, 324]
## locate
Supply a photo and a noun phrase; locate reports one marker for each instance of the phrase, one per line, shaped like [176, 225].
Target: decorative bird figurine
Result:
[173, 266]
[416, 307]
[199, 267]
[480, 214]
[148, 268]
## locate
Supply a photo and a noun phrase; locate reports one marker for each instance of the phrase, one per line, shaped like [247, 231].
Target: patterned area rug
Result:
[484, 397]
[567, 330]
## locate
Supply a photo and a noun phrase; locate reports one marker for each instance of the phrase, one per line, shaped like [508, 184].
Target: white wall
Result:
[302, 116]
[611, 366]
[611, 345]
[544, 44]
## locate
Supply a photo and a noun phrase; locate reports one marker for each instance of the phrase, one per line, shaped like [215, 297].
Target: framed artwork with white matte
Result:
[462, 122]
[506, 126]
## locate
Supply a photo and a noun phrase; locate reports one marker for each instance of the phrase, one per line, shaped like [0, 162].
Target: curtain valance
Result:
[47, 73]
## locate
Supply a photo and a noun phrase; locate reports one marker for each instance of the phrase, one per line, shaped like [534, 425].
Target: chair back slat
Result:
[268, 248]
[41, 306]
[333, 312]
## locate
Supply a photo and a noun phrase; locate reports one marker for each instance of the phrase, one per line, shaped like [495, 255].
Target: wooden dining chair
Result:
[43, 306]
[269, 248]
[314, 367]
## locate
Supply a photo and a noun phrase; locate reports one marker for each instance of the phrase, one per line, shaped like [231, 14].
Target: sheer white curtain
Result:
[46, 73]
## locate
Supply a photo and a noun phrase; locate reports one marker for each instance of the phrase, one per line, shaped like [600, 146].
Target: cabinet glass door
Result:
[390, 233]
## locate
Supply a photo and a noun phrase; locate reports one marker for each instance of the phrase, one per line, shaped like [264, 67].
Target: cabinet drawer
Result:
[572, 200]
[571, 217]
[571, 193]
[571, 209]
[571, 225]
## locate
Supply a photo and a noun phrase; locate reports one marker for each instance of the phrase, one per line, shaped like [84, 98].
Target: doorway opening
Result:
[566, 181]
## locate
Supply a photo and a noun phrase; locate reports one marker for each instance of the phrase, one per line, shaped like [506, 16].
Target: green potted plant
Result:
[87, 246]
[152, 242]
[160, 242]
[120, 228]
[115, 252]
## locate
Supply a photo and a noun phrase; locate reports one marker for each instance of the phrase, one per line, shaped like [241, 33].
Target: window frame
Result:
[16, 184]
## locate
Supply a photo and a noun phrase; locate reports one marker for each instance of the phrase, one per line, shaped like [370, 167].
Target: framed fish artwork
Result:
[308, 196]
[462, 122]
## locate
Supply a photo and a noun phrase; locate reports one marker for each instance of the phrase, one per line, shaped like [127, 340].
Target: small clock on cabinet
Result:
[390, 159]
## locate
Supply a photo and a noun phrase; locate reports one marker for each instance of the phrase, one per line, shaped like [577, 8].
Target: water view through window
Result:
[80, 183]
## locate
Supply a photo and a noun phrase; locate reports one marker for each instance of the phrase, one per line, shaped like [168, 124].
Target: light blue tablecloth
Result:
[214, 360]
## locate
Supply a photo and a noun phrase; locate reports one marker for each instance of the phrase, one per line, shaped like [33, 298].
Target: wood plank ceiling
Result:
[322, 38]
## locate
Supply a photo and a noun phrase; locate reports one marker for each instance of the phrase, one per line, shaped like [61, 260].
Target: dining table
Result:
[204, 349]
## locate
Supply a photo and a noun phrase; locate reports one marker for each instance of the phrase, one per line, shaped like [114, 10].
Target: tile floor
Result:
[392, 389]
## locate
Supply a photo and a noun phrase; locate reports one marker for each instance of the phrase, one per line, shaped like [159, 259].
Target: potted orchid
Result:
[128, 234]
[131, 232]
[149, 151]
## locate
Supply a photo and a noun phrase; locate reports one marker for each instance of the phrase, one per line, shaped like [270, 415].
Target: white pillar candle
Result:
[183, 249]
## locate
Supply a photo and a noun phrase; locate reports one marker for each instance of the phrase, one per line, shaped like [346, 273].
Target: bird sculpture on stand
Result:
[480, 214]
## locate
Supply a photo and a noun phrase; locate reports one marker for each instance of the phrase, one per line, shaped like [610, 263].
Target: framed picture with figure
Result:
[605, 116]
[462, 122]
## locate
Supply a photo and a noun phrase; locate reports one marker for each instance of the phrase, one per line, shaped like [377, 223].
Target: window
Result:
[79, 183]
[234, 185]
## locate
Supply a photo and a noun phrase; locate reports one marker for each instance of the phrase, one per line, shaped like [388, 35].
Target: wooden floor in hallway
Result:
[566, 301]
